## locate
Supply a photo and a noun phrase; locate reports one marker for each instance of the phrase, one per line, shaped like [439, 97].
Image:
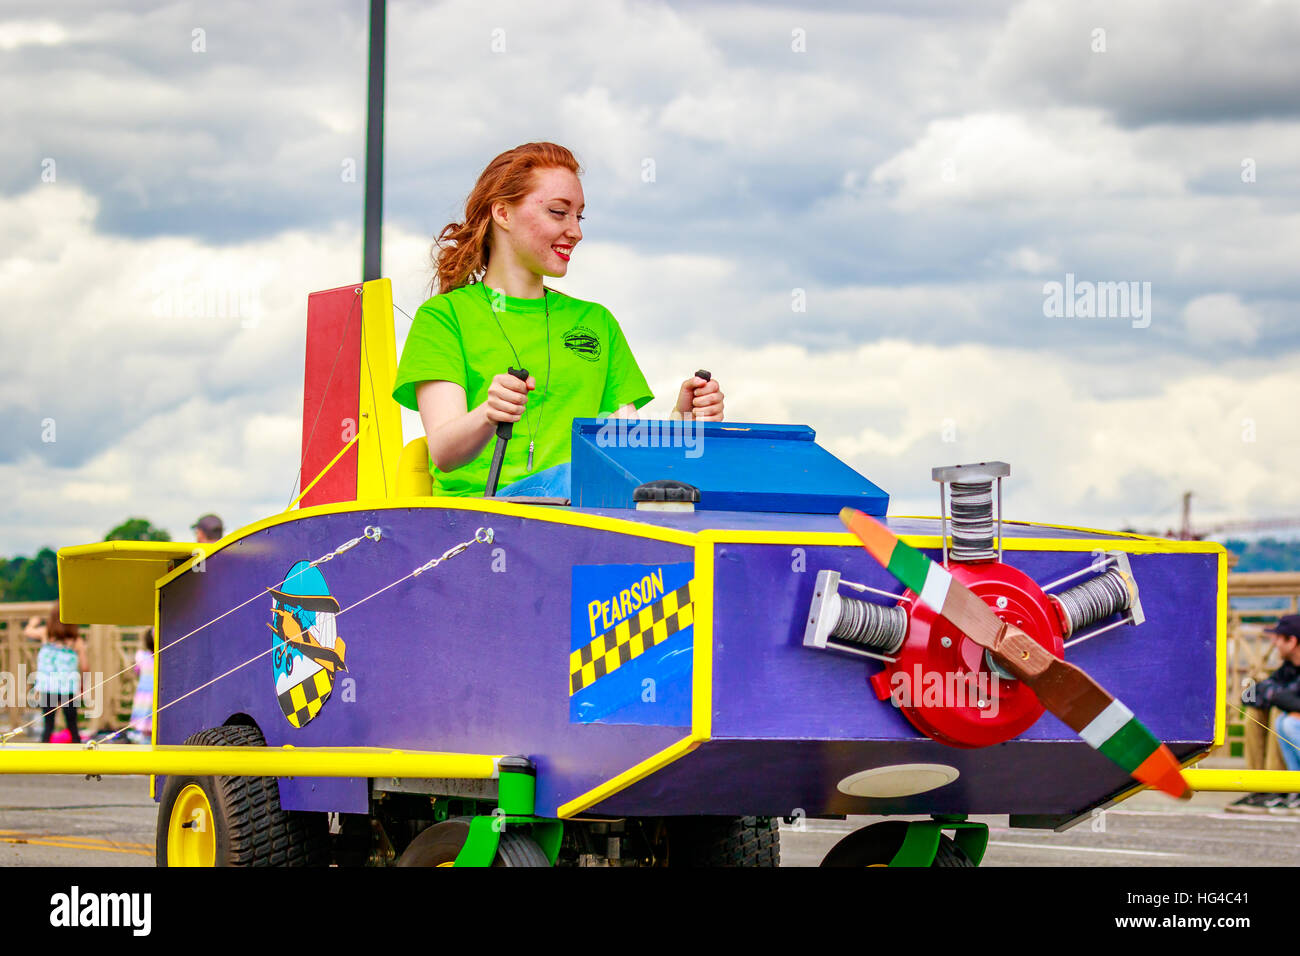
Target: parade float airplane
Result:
[711, 633]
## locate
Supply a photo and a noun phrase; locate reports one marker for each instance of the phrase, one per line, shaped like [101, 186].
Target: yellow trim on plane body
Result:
[157, 645]
[1243, 781]
[1221, 655]
[109, 582]
[287, 761]
[622, 781]
[380, 447]
[702, 672]
[482, 505]
[845, 539]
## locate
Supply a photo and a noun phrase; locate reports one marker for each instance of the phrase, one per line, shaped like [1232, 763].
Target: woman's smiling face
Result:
[544, 226]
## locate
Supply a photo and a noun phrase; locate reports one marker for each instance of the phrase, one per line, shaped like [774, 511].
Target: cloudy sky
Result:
[174, 182]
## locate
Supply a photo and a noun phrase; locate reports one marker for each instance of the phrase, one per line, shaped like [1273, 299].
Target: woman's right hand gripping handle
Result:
[506, 399]
[457, 436]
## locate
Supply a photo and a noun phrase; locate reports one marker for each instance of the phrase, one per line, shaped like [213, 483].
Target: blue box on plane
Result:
[737, 466]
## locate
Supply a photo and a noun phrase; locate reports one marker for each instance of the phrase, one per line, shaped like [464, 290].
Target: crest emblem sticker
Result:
[307, 651]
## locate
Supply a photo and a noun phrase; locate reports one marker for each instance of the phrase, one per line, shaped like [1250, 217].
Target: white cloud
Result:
[16, 33]
[1076, 457]
[167, 392]
[765, 109]
[1221, 317]
[1032, 261]
[617, 135]
[1053, 156]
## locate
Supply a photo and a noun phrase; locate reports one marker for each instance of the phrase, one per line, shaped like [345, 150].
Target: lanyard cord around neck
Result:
[519, 364]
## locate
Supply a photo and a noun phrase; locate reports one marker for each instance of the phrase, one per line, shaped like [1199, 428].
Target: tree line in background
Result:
[37, 579]
[1268, 554]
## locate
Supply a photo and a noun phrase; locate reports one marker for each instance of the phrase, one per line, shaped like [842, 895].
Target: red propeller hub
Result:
[944, 682]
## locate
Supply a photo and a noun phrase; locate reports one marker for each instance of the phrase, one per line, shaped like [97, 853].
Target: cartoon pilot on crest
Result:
[307, 650]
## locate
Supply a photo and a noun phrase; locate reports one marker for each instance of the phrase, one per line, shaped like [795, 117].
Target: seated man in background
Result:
[1279, 693]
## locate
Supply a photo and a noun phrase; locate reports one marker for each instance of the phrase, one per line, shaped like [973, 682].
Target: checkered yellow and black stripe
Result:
[629, 639]
[303, 700]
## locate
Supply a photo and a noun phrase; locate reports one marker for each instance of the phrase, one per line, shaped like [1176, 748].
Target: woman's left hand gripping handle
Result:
[700, 398]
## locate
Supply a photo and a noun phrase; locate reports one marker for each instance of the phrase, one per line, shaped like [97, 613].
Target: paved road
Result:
[1148, 830]
[70, 821]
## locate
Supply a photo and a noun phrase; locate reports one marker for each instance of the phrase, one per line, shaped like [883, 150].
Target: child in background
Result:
[141, 731]
[59, 664]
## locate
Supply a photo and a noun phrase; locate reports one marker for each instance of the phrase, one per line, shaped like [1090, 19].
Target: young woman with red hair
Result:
[493, 312]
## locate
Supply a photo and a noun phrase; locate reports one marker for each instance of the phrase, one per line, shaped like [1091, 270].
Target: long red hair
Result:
[460, 252]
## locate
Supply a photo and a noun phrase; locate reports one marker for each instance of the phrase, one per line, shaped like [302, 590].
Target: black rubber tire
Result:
[724, 841]
[950, 854]
[250, 827]
[876, 845]
[439, 845]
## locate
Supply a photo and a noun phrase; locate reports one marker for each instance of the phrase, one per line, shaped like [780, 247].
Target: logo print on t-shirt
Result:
[582, 342]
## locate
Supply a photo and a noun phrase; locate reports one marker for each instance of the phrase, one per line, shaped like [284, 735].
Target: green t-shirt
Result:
[454, 338]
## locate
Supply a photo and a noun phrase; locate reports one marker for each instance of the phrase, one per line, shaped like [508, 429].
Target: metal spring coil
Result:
[971, 504]
[1093, 600]
[870, 624]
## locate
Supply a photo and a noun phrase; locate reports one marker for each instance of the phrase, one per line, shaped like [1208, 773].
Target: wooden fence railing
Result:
[108, 651]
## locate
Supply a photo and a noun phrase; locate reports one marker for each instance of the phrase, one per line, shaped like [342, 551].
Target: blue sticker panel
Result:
[617, 610]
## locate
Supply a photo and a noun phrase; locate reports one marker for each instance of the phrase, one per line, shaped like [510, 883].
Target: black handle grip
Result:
[506, 429]
[704, 374]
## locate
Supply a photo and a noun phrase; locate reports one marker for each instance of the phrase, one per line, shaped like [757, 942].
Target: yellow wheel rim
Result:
[191, 835]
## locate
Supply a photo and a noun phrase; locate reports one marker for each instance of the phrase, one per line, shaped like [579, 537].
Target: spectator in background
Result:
[207, 529]
[1261, 752]
[141, 731]
[1280, 691]
[59, 664]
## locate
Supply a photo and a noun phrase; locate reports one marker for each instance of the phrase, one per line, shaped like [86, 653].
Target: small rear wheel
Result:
[440, 844]
[234, 821]
[877, 845]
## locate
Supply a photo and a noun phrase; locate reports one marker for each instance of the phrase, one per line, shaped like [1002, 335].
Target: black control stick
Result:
[504, 431]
